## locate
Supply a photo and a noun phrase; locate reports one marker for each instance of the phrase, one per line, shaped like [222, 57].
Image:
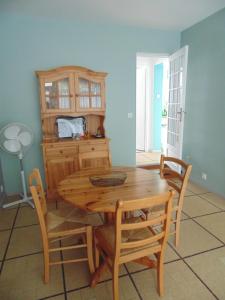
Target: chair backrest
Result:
[35, 180]
[41, 217]
[178, 181]
[95, 159]
[128, 234]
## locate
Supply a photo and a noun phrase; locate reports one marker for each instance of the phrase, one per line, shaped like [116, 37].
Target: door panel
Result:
[176, 102]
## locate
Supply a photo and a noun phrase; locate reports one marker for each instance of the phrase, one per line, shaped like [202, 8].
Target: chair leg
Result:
[115, 282]
[160, 274]
[46, 267]
[177, 236]
[90, 250]
[177, 232]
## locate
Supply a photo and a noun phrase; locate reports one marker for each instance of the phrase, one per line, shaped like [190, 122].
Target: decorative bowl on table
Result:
[111, 179]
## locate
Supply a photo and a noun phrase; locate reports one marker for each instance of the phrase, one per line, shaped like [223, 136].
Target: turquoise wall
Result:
[32, 43]
[204, 132]
[157, 106]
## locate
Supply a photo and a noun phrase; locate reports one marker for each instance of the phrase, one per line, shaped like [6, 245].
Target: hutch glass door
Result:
[90, 95]
[58, 94]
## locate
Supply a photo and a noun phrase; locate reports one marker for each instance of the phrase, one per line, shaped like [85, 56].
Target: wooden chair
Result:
[177, 180]
[57, 225]
[95, 159]
[134, 238]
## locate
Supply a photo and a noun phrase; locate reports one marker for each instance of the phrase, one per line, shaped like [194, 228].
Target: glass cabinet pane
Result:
[95, 88]
[89, 94]
[83, 86]
[57, 94]
[96, 102]
[84, 102]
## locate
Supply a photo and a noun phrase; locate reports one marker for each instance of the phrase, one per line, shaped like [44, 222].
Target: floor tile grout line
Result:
[202, 252]
[211, 202]
[21, 256]
[51, 296]
[9, 239]
[195, 274]
[133, 282]
[193, 219]
[199, 278]
[25, 226]
[198, 194]
[199, 216]
[88, 286]
[185, 215]
[208, 231]
[209, 214]
[2, 230]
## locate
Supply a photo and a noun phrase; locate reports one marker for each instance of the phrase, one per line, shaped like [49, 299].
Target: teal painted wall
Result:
[32, 43]
[157, 106]
[204, 129]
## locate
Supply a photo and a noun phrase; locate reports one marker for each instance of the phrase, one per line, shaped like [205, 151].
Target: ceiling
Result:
[157, 14]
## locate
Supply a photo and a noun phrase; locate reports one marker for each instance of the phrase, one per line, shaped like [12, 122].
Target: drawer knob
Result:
[61, 151]
[92, 148]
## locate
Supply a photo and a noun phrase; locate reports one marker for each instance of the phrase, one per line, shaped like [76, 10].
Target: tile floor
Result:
[193, 271]
[147, 158]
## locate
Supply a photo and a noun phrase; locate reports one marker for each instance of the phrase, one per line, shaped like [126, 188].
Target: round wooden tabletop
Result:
[79, 191]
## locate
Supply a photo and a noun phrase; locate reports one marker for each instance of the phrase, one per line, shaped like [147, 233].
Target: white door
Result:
[140, 108]
[176, 101]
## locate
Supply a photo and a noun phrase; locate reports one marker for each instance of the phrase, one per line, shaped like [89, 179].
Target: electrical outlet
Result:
[204, 176]
[1, 188]
[130, 115]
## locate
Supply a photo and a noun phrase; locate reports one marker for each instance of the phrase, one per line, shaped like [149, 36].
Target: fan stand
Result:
[25, 198]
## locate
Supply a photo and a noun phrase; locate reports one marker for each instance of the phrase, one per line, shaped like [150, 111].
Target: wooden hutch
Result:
[73, 92]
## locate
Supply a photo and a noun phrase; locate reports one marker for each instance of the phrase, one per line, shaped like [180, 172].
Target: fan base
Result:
[24, 200]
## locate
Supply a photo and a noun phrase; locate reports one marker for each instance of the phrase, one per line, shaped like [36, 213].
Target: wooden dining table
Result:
[79, 190]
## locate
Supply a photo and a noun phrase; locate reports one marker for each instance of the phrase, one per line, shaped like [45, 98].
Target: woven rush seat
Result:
[106, 233]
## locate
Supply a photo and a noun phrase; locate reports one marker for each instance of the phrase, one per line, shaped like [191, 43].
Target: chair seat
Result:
[159, 209]
[67, 219]
[106, 237]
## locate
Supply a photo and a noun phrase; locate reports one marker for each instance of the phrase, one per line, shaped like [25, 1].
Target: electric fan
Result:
[16, 139]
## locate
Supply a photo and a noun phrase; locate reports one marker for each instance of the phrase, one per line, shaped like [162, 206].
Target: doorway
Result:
[160, 105]
[152, 88]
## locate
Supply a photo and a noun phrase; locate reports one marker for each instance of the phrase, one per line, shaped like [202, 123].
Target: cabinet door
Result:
[57, 169]
[90, 94]
[58, 93]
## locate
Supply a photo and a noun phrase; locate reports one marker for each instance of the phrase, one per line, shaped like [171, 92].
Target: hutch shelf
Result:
[72, 92]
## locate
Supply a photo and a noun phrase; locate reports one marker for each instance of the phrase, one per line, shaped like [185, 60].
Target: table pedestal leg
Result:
[146, 261]
[109, 218]
[96, 276]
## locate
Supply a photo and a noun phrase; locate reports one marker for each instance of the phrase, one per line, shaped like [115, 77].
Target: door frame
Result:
[149, 94]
